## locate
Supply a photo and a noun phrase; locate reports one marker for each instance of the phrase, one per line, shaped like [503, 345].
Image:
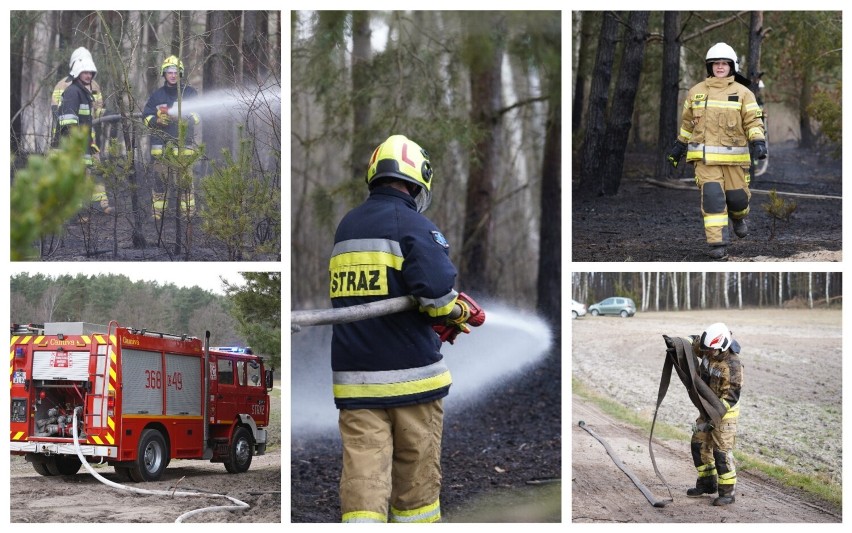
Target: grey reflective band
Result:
[367, 245]
[440, 302]
[382, 377]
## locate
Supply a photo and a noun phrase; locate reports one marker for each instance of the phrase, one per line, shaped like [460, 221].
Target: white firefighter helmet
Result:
[722, 52]
[83, 64]
[716, 337]
[79, 54]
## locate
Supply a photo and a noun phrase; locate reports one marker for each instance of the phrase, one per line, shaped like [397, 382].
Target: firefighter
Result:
[388, 372]
[61, 85]
[75, 110]
[713, 447]
[160, 114]
[721, 120]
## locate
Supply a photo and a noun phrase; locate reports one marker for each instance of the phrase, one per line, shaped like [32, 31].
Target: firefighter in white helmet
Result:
[76, 107]
[388, 372]
[61, 85]
[721, 130]
[713, 447]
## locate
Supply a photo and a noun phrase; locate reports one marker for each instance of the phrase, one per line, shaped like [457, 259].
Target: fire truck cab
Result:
[135, 399]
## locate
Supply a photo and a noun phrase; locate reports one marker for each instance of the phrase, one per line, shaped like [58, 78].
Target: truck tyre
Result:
[67, 465]
[41, 468]
[150, 457]
[239, 451]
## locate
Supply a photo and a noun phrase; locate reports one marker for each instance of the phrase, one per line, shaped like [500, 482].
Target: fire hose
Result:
[342, 315]
[656, 502]
[238, 505]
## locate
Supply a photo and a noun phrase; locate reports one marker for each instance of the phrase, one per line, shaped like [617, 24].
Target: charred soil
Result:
[655, 220]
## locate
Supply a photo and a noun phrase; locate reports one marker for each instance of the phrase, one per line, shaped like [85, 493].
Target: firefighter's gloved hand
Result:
[471, 315]
[758, 150]
[163, 118]
[676, 153]
[94, 149]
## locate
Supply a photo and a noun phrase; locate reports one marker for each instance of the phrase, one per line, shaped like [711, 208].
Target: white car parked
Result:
[577, 309]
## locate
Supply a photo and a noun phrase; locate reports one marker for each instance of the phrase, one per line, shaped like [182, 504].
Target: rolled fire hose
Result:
[656, 502]
[353, 313]
[238, 505]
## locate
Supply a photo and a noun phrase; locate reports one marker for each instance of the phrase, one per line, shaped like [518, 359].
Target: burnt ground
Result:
[649, 222]
[501, 458]
[92, 235]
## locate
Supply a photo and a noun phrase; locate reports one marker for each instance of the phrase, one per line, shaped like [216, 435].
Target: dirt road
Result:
[83, 499]
[791, 414]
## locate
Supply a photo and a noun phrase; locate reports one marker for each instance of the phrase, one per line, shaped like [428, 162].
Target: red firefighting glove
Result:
[163, 118]
[471, 315]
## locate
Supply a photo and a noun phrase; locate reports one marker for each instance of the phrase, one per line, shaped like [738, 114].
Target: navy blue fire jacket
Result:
[383, 249]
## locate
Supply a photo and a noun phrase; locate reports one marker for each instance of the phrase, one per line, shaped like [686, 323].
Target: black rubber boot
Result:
[718, 251]
[704, 485]
[726, 495]
[740, 227]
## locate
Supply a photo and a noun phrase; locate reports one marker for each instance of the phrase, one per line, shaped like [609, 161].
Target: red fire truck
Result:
[141, 398]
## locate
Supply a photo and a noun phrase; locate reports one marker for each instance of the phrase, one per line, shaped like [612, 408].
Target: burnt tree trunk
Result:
[624, 98]
[255, 48]
[362, 142]
[669, 110]
[549, 285]
[485, 42]
[583, 66]
[755, 40]
[594, 143]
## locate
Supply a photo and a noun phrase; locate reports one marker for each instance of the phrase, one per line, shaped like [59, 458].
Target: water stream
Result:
[505, 346]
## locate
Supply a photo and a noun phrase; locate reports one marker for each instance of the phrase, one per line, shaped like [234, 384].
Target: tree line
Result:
[247, 315]
[632, 69]
[480, 91]
[673, 291]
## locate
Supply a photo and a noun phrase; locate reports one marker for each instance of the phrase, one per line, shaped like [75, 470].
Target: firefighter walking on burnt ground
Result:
[388, 372]
[721, 130]
[712, 446]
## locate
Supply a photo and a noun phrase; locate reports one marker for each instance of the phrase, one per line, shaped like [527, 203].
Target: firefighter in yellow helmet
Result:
[76, 107]
[161, 116]
[388, 372]
[721, 130]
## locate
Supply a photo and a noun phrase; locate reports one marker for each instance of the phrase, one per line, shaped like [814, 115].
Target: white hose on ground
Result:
[238, 505]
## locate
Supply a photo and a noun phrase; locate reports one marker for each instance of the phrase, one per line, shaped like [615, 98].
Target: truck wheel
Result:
[240, 452]
[41, 468]
[150, 457]
[66, 465]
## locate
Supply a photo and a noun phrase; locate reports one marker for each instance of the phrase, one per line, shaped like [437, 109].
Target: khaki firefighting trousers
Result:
[391, 456]
[713, 451]
[724, 193]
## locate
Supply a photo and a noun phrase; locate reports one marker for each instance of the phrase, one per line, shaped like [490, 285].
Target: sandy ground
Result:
[82, 498]
[791, 415]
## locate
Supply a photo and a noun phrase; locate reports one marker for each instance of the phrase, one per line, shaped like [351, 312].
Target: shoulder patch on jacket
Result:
[733, 98]
[438, 237]
[700, 96]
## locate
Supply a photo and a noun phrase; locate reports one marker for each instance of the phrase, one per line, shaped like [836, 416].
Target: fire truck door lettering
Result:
[60, 360]
[258, 409]
[153, 379]
[19, 377]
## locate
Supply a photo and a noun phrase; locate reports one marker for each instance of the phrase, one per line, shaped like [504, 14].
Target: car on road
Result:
[616, 305]
[577, 309]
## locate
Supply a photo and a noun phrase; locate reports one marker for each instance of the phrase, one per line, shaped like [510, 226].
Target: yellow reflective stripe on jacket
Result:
[685, 134]
[727, 158]
[718, 104]
[422, 515]
[755, 132]
[388, 383]
[438, 307]
[364, 517]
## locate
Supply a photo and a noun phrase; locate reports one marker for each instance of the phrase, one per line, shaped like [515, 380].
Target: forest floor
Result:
[501, 457]
[92, 235]
[791, 416]
[652, 220]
